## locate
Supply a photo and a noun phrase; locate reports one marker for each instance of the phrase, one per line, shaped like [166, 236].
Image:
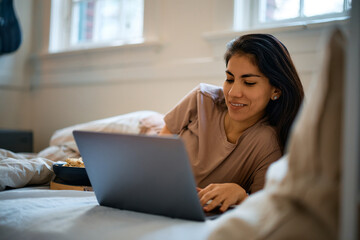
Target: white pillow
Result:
[126, 123]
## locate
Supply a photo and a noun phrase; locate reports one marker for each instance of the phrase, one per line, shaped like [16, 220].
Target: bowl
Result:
[71, 175]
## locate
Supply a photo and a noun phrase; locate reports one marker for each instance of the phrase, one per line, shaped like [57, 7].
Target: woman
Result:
[232, 134]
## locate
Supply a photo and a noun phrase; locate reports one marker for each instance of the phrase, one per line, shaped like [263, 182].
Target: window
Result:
[280, 12]
[93, 23]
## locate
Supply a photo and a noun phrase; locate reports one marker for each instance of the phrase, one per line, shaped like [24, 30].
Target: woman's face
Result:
[247, 91]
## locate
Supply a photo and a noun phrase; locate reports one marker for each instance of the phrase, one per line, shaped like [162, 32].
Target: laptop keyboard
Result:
[215, 213]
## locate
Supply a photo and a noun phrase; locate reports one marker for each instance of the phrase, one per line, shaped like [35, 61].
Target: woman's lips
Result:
[237, 106]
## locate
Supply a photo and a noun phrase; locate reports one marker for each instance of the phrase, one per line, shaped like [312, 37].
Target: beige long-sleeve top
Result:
[199, 119]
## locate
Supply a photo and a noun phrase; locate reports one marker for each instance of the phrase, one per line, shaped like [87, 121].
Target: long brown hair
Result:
[274, 61]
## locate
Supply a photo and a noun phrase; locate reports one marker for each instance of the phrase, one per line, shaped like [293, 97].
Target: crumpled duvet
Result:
[18, 170]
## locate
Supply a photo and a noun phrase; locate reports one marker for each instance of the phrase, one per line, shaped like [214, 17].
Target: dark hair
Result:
[274, 61]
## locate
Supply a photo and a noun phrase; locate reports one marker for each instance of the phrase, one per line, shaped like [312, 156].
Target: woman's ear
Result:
[276, 94]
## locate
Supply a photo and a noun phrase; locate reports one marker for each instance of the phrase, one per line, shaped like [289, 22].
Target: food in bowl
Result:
[74, 162]
[72, 172]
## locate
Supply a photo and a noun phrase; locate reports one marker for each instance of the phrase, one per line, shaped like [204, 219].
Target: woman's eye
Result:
[230, 80]
[250, 83]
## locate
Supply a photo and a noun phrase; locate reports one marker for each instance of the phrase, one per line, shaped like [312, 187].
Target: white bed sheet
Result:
[41, 213]
[33, 213]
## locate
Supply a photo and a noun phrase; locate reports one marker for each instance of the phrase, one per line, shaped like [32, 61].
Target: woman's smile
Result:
[236, 106]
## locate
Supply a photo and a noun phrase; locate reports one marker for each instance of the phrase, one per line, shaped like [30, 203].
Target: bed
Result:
[40, 213]
[29, 209]
[37, 212]
[300, 199]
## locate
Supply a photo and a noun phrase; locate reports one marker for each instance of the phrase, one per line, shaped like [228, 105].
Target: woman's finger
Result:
[213, 204]
[206, 195]
[226, 204]
[205, 190]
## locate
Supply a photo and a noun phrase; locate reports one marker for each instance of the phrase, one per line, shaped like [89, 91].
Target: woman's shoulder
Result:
[213, 92]
[210, 90]
[264, 134]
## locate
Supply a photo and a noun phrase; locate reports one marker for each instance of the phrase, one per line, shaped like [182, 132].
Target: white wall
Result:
[14, 72]
[184, 47]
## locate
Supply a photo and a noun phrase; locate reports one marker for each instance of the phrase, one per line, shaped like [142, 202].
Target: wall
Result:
[14, 72]
[184, 44]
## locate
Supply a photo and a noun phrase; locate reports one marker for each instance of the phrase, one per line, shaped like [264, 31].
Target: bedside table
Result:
[16, 140]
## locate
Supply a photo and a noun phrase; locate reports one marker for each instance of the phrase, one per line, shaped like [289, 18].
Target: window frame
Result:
[60, 31]
[250, 10]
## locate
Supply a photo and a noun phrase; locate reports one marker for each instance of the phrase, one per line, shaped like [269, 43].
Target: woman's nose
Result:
[236, 90]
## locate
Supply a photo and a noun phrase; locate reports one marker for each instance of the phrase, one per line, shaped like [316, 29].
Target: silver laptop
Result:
[149, 174]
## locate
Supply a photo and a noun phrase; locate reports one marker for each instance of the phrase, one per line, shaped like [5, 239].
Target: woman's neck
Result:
[234, 129]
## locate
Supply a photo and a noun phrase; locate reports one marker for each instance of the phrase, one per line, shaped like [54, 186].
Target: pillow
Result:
[152, 124]
[126, 123]
[304, 204]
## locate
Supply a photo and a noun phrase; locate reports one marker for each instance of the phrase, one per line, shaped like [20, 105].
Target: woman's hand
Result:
[226, 194]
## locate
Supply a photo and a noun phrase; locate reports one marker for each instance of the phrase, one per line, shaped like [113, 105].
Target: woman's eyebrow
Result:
[249, 75]
[228, 72]
[244, 75]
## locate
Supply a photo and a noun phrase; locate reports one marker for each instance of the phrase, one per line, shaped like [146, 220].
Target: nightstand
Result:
[16, 140]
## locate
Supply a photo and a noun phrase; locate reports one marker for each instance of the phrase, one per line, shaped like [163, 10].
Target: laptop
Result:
[149, 174]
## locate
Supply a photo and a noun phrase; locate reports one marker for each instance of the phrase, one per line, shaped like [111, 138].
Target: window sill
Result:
[93, 64]
[273, 29]
[110, 48]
